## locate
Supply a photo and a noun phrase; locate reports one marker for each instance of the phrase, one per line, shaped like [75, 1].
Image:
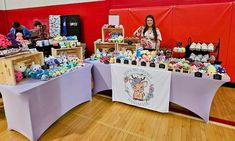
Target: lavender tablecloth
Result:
[101, 74]
[195, 94]
[33, 105]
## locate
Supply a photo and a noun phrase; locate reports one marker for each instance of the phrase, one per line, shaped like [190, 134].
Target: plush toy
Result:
[73, 44]
[107, 36]
[51, 62]
[198, 47]
[11, 38]
[204, 47]
[19, 38]
[62, 44]
[20, 67]
[211, 70]
[193, 46]
[211, 47]
[4, 42]
[18, 76]
[58, 38]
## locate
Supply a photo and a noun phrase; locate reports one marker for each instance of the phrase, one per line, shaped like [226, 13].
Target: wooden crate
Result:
[111, 30]
[7, 73]
[77, 50]
[104, 45]
[132, 47]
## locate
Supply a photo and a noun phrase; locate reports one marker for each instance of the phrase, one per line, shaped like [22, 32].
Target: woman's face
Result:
[149, 22]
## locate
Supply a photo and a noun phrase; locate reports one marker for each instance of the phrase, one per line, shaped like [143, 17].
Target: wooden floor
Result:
[104, 120]
[223, 105]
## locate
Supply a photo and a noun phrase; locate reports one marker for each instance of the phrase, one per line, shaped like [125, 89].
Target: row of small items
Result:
[202, 47]
[61, 44]
[114, 37]
[65, 38]
[217, 71]
[203, 58]
[10, 51]
[54, 67]
[146, 58]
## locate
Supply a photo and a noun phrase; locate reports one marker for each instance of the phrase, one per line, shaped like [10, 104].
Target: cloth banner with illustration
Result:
[141, 86]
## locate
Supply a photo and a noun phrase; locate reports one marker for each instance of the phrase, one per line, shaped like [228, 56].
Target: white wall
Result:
[17, 4]
[2, 6]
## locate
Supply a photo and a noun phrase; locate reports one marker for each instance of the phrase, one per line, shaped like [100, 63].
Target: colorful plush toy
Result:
[11, 38]
[4, 42]
[20, 66]
[18, 76]
[19, 38]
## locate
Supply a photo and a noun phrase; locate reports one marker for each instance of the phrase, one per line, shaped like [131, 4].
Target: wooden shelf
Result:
[77, 50]
[132, 47]
[7, 72]
[111, 30]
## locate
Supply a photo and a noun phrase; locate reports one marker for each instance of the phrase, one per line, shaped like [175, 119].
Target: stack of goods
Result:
[202, 47]
[9, 45]
[66, 41]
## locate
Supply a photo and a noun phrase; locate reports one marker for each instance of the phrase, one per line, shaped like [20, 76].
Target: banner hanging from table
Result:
[143, 87]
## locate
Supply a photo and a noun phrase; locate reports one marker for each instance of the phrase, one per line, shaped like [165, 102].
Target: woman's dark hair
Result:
[36, 23]
[153, 26]
[15, 24]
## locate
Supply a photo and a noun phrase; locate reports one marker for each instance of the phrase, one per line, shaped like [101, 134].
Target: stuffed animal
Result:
[73, 44]
[211, 70]
[18, 76]
[4, 42]
[11, 38]
[20, 66]
[19, 38]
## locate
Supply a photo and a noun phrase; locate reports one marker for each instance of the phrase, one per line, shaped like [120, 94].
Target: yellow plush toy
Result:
[211, 70]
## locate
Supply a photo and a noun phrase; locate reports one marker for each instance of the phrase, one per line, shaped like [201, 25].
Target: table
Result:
[192, 93]
[101, 75]
[33, 105]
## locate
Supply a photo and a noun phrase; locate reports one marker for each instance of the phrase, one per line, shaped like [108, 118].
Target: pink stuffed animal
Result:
[4, 42]
[18, 76]
[19, 38]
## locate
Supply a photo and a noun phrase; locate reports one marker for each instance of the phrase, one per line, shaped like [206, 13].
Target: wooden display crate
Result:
[104, 45]
[7, 73]
[132, 47]
[77, 50]
[111, 30]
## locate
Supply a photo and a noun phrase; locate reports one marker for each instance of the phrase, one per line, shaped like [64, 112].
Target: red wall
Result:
[3, 22]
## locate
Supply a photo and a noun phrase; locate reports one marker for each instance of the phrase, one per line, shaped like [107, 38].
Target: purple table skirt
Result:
[195, 94]
[101, 74]
[33, 105]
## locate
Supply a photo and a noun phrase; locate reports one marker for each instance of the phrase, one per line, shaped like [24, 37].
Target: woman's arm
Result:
[158, 43]
[138, 32]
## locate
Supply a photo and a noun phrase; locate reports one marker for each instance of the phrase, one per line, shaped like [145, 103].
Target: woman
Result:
[150, 36]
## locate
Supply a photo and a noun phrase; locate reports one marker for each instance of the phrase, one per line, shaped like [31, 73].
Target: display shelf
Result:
[132, 47]
[77, 50]
[112, 30]
[110, 46]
